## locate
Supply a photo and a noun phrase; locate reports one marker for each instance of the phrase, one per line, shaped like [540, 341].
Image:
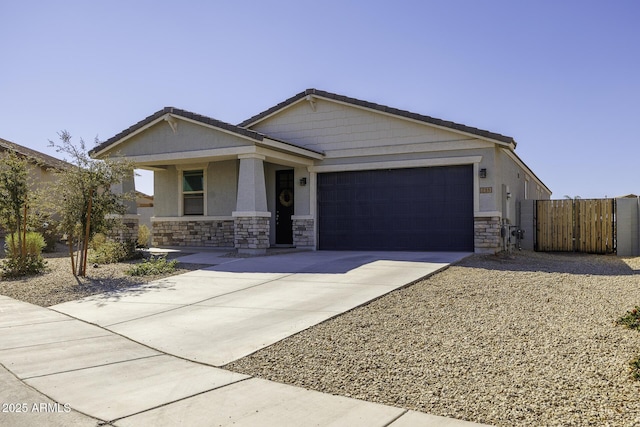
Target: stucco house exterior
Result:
[41, 167]
[325, 171]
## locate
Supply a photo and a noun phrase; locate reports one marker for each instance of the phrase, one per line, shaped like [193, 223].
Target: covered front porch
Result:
[247, 203]
[220, 186]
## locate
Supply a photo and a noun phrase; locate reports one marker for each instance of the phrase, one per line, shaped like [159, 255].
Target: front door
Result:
[284, 207]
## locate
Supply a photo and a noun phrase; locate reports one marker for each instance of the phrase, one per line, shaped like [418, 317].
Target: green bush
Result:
[144, 234]
[16, 264]
[109, 253]
[635, 368]
[50, 236]
[631, 319]
[34, 244]
[105, 251]
[153, 266]
[98, 240]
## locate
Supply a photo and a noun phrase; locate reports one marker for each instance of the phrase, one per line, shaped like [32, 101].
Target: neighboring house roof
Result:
[377, 107]
[36, 156]
[144, 200]
[257, 136]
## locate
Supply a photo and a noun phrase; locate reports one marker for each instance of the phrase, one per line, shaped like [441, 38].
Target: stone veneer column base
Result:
[251, 236]
[303, 232]
[128, 232]
[487, 234]
[213, 233]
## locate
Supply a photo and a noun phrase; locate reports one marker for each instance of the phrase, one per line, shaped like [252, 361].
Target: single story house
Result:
[41, 167]
[329, 172]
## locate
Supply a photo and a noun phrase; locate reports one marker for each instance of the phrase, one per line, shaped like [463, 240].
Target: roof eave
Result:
[252, 136]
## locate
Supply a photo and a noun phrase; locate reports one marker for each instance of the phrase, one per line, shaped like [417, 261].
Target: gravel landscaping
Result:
[58, 285]
[527, 339]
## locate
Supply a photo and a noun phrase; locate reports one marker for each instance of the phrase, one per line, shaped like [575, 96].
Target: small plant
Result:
[105, 251]
[631, 319]
[98, 240]
[24, 256]
[153, 266]
[144, 234]
[635, 368]
[109, 253]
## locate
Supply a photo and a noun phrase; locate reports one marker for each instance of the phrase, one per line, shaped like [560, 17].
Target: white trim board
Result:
[397, 164]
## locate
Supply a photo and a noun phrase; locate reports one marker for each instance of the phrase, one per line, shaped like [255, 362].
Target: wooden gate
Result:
[576, 226]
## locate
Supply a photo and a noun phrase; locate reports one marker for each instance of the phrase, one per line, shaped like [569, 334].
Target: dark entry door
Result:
[284, 207]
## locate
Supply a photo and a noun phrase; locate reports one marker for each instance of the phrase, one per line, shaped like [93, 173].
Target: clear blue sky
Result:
[561, 77]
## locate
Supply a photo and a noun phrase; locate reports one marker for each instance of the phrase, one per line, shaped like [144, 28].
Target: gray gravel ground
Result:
[528, 339]
[58, 285]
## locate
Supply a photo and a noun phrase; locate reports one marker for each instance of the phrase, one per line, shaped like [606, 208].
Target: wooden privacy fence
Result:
[576, 226]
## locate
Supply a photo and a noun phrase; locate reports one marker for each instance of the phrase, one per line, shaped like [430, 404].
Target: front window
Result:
[193, 192]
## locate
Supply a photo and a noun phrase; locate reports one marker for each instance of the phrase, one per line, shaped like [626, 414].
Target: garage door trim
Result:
[398, 164]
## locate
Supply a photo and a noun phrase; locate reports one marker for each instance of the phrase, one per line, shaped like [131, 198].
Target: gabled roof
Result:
[382, 108]
[36, 156]
[182, 113]
[256, 136]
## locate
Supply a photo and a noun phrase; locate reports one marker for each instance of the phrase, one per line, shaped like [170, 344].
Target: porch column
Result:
[130, 220]
[128, 185]
[251, 217]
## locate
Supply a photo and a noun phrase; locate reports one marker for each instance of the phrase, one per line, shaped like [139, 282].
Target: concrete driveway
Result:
[65, 371]
[240, 305]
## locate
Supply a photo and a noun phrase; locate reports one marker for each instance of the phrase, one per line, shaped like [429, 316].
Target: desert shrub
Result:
[31, 262]
[98, 240]
[34, 244]
[109, 253]
[631, 319]
[144, 234]
[635, 368]
[105, 251]
[152, 267]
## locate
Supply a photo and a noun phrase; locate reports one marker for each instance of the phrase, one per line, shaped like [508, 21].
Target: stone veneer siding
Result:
[211, 233]
[487, 234]
[127, 232]
[251, 232]
[303, 232]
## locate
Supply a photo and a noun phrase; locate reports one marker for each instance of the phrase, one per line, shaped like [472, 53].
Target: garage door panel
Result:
[399, 209]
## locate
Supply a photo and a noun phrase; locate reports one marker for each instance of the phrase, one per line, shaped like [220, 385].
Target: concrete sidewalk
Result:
[65, 371]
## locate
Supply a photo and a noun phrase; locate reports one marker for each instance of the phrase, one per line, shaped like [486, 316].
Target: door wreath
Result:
[286, 198]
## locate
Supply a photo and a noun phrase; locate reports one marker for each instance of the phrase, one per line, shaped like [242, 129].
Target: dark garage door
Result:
[417, 209]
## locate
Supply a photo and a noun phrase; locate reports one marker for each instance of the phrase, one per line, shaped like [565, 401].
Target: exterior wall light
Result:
[483, 173]
[303, 182]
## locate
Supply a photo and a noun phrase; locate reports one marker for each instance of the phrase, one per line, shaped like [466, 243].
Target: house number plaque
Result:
[486, 190]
